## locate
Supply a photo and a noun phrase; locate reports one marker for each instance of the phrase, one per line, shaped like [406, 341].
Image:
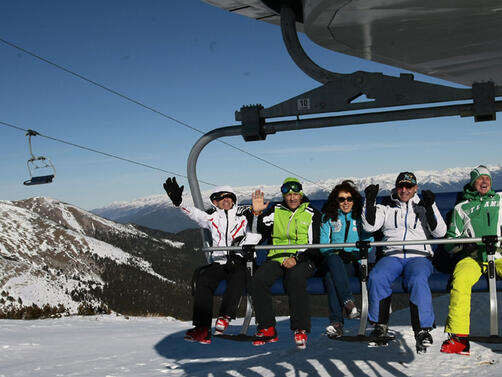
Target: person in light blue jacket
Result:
[341, 223]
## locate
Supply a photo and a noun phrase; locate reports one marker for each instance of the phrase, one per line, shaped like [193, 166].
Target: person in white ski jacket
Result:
[405, 218]
[228, 225]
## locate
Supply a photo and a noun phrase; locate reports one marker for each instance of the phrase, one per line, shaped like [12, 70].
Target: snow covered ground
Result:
[117, 346]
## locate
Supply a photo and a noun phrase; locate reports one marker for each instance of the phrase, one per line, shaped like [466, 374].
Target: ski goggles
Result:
[291, 186]
[222, 195]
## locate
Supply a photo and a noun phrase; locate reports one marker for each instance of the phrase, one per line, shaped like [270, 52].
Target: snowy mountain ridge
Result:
[157, 212]
[56, 253]
[451, 179]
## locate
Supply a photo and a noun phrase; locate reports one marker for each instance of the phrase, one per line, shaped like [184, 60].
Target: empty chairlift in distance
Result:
[38, 164]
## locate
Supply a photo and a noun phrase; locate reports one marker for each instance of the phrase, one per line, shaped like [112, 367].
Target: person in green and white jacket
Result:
[478, 214]
[293, 221]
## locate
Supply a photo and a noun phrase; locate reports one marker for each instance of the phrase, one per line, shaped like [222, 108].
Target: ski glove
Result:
[371, 193]
[465, 250]
[174, 191]
[469, 248]
[427, 202]
[427, 198]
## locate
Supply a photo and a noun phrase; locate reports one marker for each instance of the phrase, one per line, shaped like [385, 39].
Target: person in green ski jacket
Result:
[478, 214]
[292, 222]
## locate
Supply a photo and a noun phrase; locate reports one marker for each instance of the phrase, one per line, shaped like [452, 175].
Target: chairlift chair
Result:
[39, 162]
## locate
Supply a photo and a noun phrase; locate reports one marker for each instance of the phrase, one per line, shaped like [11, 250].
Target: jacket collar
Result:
[414, 200]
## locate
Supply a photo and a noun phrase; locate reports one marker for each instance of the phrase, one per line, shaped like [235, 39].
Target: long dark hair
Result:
[330, 208]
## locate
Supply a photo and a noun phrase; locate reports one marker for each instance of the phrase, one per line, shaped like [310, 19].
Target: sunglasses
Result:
[406, 184]
[342, 199]
[291, 186]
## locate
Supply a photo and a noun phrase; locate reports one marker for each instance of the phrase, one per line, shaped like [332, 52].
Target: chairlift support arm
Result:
[338, 94]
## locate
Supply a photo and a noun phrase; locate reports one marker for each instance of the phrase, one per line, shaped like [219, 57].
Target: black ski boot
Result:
[424, 340]
[379, 337]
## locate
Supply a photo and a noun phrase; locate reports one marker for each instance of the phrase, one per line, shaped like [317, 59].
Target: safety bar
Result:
[484, 239]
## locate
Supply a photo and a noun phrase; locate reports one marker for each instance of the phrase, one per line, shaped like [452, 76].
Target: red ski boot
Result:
[198, 334]
[268, 333]
[301, 339]
[457, 343]
[221, 324]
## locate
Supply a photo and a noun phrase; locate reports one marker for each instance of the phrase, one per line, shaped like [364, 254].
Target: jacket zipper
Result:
[289, 226]
[226, 231]
[405, 229]
[347, 226]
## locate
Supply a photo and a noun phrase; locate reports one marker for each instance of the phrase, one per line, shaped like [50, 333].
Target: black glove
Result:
[427, 202]
[469, 248]
[427, 198]
[173, 190]
[371, 193]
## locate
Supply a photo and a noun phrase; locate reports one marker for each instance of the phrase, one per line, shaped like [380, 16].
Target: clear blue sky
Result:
[197, 64]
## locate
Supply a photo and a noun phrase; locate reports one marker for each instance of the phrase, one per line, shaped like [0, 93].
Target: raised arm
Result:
[174, 191]
[258, 200]
[373, 214]
[435, 221]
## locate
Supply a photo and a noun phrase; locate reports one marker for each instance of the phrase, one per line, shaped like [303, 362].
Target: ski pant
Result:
[336, 282]
[416, 272]
[235, 274]
[295, 284]
[467, 273]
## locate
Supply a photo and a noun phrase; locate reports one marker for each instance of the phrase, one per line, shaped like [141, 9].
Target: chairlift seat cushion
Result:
[39, 180]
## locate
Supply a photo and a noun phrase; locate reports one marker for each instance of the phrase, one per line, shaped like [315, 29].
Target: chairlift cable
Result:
[153, 110]
[103, 153]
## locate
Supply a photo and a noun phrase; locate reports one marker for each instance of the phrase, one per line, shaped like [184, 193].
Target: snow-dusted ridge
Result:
[448, 180]
[157, 211]
[48, 253]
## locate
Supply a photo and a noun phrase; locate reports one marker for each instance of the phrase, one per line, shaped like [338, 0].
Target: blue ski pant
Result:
[415, 272]
[336, 282]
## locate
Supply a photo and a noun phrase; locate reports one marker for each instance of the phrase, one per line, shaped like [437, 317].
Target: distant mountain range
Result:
[157, 212]
[58, 254]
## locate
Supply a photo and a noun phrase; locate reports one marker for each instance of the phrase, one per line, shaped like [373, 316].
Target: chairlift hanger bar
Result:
[339, 91]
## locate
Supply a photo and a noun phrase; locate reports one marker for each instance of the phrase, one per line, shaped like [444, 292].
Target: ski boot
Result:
[457, 343]
[221, 324]
[423, 340]
[380, 331]
[350, 309]
[301, 339]
[198, 334]
[335, 330]
[268, 333]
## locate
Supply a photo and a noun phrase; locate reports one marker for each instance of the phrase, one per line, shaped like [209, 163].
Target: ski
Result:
[363, 339]
[381, 341]
[486, 339]
[242, 337]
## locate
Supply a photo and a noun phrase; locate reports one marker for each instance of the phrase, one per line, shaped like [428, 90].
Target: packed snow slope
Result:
[143, 347]
[157, 212]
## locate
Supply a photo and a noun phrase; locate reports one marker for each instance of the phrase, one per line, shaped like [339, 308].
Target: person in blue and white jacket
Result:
[406, 218]
[228, 224]
[341, 223]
